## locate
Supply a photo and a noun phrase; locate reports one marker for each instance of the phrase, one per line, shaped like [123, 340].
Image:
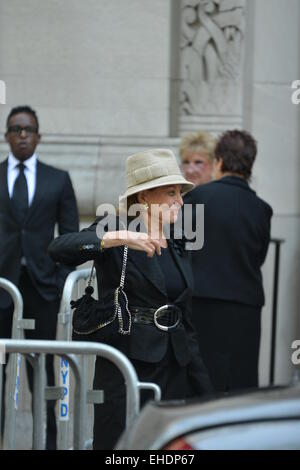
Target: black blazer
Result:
[145, 287]
[54, 202]
[236, 240]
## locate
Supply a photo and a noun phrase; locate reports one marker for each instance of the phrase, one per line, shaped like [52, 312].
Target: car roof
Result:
[161, 422]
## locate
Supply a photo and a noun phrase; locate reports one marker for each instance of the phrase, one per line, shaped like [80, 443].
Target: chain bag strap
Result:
[120, 291]
[91, 276]
[86, 307]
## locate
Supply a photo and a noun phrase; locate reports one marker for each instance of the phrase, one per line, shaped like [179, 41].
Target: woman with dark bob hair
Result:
[228, 293]
[158, 280]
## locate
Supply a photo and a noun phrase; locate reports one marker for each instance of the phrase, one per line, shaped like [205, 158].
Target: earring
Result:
[146, 206]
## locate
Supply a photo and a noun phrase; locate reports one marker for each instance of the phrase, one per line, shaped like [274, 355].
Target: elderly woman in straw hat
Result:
[160, 340]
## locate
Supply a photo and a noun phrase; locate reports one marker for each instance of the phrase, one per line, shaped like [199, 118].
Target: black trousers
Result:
[109, 418]
[229, 340]
[45, 315]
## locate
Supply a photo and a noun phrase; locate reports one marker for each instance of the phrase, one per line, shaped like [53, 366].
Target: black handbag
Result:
[104, 319]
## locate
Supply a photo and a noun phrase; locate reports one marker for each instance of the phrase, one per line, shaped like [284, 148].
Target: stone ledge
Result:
[96, 164]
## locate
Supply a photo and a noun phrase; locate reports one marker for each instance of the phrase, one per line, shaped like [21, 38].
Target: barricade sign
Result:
[64, 403]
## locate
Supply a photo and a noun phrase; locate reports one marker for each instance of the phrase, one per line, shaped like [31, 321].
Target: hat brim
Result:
[157, 183]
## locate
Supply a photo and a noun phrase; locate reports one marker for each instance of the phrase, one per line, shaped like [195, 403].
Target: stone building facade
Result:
[110, 77]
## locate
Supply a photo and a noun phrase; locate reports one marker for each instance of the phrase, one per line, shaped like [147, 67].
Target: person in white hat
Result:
[159, 340]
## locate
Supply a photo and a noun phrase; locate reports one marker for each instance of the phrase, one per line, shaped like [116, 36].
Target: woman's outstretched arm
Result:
[77, 248]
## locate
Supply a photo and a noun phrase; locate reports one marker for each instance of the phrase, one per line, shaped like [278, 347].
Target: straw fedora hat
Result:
[152, 169]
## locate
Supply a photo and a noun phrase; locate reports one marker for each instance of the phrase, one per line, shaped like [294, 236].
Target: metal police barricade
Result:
[71, 351]
[19, 324]
[73, 289]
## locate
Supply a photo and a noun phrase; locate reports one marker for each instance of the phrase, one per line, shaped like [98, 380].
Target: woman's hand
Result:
[139, 241]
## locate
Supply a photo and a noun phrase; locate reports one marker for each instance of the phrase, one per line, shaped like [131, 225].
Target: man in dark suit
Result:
[228, 295]
[34, 197]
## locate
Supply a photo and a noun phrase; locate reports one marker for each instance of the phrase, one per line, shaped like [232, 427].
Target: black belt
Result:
[165, 318]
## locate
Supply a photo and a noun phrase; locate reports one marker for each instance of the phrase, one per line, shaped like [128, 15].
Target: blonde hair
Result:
[199, 142]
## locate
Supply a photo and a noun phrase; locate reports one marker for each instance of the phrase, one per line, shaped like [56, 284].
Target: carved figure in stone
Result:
[211, 57]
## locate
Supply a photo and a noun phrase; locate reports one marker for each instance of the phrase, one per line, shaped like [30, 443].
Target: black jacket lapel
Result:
[40, 186]
[3, 181]
[182, 261]
[4, 190]
[150, 268]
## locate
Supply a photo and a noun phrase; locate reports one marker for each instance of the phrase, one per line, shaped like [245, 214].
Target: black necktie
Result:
[20, 194]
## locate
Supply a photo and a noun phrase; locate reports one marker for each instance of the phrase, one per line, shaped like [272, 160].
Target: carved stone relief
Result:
[212, 44]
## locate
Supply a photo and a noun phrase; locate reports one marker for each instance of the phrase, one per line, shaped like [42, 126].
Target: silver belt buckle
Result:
[163, 327]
